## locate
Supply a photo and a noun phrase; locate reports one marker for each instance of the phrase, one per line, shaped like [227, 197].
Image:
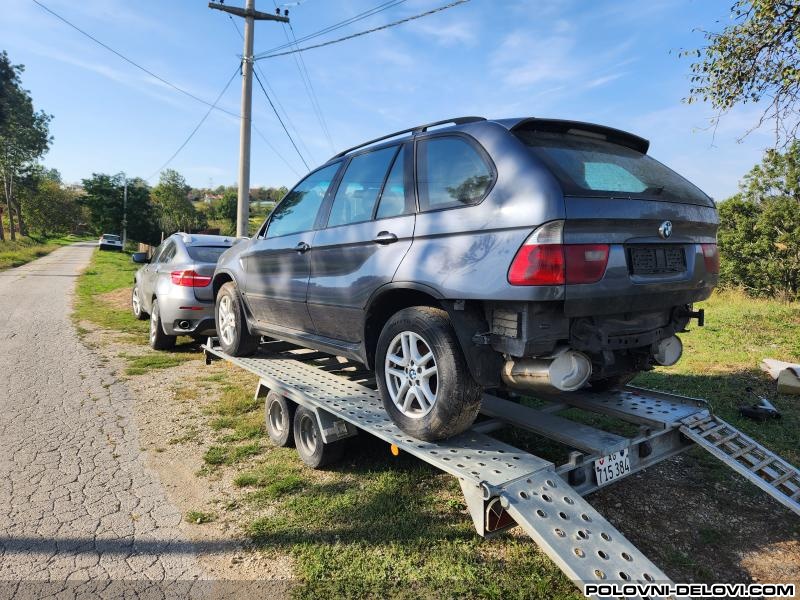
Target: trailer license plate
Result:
[613, 466]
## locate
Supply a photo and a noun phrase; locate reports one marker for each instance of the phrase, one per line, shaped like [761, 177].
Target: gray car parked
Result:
[173, 289]
[470, 254]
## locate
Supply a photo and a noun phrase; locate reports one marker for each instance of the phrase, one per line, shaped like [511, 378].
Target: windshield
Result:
[595, 167]
[206, 254]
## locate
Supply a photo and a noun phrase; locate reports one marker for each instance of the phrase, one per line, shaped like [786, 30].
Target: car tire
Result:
[308, 440]
[234, 336]
[279, 418]
[420, 339]
[136, 305]
[605, 384]
[159, 340]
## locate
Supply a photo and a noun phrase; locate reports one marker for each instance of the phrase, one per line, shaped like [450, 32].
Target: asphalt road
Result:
[80, 513]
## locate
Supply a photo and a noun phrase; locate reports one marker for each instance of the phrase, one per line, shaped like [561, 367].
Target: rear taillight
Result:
[711, 257]
[586, 263]
[545, 260]
[190, 279]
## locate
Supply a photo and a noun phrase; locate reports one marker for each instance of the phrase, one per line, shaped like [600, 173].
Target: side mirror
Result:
[140, 258]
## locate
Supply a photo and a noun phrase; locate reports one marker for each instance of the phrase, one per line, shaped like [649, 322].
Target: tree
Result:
[104, 200]
[755, 59]
[49, 207]
[176, 211]
[759, 234]
[24, 136]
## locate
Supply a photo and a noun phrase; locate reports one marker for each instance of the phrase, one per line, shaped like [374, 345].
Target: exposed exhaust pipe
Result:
[184, 324]
[668, 351]
[567, 371]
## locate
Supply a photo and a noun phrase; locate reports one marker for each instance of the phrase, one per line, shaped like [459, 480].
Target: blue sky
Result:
[611, 62]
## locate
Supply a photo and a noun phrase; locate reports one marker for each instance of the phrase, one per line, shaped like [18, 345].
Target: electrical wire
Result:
[164, 81]
[275, 96]
[361, 33]
[289, 135]
[300, 63]
[200, 124]
[360, 16]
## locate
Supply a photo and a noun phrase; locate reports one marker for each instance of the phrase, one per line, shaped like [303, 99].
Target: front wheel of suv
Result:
[422, 375]
[234, 337]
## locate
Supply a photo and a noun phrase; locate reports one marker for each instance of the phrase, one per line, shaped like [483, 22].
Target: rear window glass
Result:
[595, 167]
[206, 254]
[111, 238]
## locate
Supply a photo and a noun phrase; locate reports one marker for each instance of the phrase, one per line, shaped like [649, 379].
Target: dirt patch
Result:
[171, 412]
[119, 299]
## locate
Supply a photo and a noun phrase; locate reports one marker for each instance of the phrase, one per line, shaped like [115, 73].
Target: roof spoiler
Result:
[615, 136]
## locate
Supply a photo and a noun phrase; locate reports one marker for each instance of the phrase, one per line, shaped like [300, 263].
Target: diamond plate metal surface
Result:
[471, 455]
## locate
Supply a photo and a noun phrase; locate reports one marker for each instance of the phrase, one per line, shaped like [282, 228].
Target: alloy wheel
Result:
[227, 320]
[412, 376]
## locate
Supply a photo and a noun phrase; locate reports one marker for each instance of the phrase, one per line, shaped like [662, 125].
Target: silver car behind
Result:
[174, 288]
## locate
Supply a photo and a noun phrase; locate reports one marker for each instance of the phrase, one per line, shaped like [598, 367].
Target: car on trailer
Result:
[471, 254]
[173, 287]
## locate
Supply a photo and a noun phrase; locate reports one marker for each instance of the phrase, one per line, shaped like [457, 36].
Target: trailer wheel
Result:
[279, 416]
[426, 386]
[234, 336]
[159, 340]
[308, 441]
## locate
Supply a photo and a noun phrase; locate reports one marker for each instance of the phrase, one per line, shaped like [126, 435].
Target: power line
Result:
[360, 33]
[289, 135]
[275, 96]
[300, 63]
[203, 120]
[162, 80]
[360, 16]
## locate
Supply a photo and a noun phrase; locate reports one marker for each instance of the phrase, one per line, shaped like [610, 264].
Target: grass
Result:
[24, 250]
[138, 365]
[198, 517]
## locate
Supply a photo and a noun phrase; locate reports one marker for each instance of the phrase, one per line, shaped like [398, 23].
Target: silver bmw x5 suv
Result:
[469, 254]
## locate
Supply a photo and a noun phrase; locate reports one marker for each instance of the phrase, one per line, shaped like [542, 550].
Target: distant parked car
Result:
[472, 254]
[109, 241]
[174, 289]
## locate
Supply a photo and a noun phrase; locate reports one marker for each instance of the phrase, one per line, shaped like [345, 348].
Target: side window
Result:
[167, 254]
[298, 210]
[393, 198]
[450, 172]
[360, 186]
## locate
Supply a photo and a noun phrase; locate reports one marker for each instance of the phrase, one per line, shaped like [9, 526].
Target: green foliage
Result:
[176, 211]
[105, 198]
[24, 137]
[759, 234]
[48, 205]
[756, 58]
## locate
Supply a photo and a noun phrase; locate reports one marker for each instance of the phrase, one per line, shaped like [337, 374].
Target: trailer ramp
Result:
[747, 457]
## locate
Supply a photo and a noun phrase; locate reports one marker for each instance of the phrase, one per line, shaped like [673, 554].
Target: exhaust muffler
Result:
[668, 351]
[567, 371]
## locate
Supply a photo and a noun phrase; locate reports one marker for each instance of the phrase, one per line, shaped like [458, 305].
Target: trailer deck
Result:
[504, 486]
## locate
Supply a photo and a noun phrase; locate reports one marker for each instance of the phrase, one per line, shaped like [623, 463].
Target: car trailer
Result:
[504, 486]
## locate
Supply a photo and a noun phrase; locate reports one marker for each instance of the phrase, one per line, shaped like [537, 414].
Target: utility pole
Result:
[125, 212]
[250, 15]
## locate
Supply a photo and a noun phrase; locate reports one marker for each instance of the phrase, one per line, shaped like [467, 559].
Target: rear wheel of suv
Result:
[159, 340]
[424, 380]
[234, 337]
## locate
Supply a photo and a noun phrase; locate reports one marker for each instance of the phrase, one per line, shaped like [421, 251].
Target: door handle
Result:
[302, 247]
[384, 238]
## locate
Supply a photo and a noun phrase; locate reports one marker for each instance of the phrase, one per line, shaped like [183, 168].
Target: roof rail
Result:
[417, 129]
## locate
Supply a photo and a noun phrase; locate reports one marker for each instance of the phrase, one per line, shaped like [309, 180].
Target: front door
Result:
[369, 230]
[277, 262]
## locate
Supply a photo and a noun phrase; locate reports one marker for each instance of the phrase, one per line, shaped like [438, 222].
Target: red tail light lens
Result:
[711, 257]
[190, 279]
[538, 264]
[586, 263]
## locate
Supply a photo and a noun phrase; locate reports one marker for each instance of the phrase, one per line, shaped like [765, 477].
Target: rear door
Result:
[149, 277]
[653, 220]
[277, 262]
[369, 229]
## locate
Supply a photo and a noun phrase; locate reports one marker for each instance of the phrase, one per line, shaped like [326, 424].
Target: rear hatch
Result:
[204, 262]
[660, 229]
